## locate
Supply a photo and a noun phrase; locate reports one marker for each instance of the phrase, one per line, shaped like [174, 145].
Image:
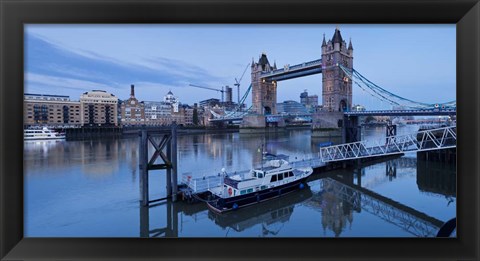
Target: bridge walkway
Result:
[433, 139]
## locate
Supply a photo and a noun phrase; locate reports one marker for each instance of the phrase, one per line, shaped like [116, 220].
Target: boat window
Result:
[280, 177]
[249, 190]
[260, 175]
[243, 192]
[274, 214]
[274, 178]
[290, 174]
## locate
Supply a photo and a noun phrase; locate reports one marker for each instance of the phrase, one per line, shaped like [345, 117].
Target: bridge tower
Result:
[337, 88]
[264, 94]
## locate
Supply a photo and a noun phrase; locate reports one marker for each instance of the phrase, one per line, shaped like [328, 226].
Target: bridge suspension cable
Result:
[237, 112]
[376, 91]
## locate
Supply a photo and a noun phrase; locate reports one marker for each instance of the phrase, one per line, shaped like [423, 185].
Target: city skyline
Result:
[413, 61]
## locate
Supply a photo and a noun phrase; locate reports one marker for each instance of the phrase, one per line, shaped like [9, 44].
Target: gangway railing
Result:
[425, 140]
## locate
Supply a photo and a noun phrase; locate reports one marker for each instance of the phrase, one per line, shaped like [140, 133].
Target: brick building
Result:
[98, 108]
[132, 110]
[51, 110]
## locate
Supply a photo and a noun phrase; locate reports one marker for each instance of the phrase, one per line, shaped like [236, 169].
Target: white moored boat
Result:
[276, 178]
[42, 134]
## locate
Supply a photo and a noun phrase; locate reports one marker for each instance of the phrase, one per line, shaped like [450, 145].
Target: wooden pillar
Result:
[144, 221]
[169, 170]
[174, 162]
[169, 228]
[174, 220]
[144, 168]
[359, 176]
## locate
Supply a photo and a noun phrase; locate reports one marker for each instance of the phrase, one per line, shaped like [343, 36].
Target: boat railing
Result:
[202, 184]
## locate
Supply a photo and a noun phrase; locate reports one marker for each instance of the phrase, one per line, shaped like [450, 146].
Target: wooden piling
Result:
[169, 170]
[174, 179]
[144, 168]
[169, 163]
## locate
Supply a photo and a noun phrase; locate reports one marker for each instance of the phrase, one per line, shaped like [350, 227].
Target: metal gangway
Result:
[425, 140]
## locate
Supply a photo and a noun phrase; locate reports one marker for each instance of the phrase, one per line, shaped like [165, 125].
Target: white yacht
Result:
[42, 134]
[276, 178]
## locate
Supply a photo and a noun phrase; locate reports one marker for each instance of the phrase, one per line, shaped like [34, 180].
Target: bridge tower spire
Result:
[336, 87]
[264, 94]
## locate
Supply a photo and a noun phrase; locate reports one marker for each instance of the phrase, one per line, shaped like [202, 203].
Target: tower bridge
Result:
[338, 78]
[336, 91]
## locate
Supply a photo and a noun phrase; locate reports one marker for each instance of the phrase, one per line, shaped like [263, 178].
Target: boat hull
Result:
[221, 205]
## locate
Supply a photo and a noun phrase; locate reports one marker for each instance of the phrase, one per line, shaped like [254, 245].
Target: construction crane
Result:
[237, 83]
[209, 88]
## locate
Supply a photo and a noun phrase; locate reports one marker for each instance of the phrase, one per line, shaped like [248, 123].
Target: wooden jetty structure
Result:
[166, 152]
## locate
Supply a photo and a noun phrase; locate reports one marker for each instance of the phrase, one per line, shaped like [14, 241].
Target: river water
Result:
[90, 188]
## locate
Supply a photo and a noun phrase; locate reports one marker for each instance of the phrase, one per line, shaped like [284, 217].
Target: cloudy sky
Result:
[413, 61]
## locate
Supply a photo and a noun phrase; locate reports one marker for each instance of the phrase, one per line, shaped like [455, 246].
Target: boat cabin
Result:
[277, 172]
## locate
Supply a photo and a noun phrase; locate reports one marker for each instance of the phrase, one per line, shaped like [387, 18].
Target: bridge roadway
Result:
[429, 112]
[268, 118]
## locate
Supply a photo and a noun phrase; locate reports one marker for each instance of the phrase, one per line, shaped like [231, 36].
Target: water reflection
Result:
[338, 201]
[107, 204]
[437, 178]
[272, 212]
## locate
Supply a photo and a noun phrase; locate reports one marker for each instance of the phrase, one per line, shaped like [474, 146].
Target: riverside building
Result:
[56, 111]
[98, 108]
[161, 113]
[309, 101]
[132, 111]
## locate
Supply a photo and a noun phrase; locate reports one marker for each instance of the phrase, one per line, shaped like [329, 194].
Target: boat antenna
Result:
[262, 156]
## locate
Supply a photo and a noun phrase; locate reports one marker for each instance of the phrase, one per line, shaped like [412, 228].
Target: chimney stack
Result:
[132, 91]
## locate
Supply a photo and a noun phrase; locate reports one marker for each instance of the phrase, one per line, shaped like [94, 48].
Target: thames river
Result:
[90, 188]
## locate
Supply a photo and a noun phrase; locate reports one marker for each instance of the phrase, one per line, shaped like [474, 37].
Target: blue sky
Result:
[417, 62]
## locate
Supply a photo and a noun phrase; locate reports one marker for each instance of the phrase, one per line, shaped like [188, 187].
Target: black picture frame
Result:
[465, 14]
